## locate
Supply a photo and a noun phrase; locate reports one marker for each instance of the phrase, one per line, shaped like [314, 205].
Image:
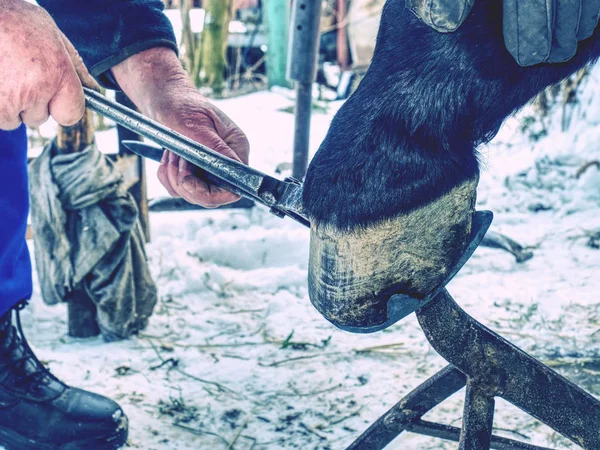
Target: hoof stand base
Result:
[489, 366]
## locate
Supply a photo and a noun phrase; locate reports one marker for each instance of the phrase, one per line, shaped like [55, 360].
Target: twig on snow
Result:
[586, 166]
[342, 419]
[243, 311]
[201, 346]
[219, 386]
[360, 351]
[311, 393]
[297, 358]
[313, 431]
[202, 432]
[237, 436]
[377, 348]
[172, 361]
[516, 433]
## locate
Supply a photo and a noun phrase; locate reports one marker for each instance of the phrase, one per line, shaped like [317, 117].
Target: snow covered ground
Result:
[235, 357]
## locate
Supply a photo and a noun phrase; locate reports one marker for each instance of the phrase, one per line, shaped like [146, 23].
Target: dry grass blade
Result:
[202, 432]
[219, 386]
[237, 436]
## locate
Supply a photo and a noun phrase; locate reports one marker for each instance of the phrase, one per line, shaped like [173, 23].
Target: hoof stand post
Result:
[489, 366]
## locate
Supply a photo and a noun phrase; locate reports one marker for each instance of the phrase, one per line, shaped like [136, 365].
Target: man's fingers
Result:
[200, 192]
[163, 175]
[444, 16]
[173, 178]
[229, 139]
[84, 76]
[195, 118]
[35, 116]
[172, 171]
[68, 104]
[566, 25]
[190, 187]
[528, 30]
[589, 19]
[181, 180]
[221, 147]
[9, 122]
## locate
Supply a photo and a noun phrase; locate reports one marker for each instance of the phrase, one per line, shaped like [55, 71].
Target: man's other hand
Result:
[155, 81]
[38, 69]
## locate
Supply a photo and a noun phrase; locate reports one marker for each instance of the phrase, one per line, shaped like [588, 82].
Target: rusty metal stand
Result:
[489, 366]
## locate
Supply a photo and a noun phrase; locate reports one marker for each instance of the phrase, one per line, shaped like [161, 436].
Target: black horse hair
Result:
[409, 134]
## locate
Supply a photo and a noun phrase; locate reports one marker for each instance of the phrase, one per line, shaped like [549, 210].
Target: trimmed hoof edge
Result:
[352, 274]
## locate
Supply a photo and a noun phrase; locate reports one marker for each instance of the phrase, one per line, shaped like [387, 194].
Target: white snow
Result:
[258, 368]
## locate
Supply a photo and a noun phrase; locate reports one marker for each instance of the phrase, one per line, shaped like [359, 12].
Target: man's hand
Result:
[547, 32]
[155, 81]
[535, 31]
[38, 69]
[444, 16]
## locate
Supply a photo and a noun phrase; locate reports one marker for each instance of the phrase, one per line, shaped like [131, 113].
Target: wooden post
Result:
[187, 37]
[139, 189]
[214, 43]
[278, 22]
[343, 51]
[77, 137]
[82, 315]
[191, 43]
[81, 308]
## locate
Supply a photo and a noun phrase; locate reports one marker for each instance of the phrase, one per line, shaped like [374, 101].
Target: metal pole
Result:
[302, 65]
[302, 129]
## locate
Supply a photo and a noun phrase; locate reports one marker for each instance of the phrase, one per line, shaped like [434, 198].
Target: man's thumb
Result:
[444, 16]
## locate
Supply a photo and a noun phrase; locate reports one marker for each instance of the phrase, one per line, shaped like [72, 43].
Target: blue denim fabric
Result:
[15, 265]
[106, 32]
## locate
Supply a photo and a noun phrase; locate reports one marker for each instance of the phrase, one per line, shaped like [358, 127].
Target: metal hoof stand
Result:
[489, 366]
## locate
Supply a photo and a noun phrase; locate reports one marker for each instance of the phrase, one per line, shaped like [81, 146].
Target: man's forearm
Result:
[107, 32]
[148, 77]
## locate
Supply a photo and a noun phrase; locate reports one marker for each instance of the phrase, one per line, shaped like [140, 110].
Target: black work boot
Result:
[39, 412]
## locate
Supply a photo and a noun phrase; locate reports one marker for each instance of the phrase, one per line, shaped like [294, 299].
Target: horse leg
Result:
[391, 191]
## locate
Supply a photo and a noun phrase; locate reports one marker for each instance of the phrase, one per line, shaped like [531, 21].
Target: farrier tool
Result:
[284, 198]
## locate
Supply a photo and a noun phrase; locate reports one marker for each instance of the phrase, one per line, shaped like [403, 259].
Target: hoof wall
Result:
[352, 274]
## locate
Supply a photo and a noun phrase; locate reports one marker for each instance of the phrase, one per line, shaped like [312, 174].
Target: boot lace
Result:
[20, 358]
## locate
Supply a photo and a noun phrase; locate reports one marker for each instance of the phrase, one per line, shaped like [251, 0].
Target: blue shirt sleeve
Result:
[106, 32]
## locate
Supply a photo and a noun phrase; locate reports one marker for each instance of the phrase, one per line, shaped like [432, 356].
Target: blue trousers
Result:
[15, 264]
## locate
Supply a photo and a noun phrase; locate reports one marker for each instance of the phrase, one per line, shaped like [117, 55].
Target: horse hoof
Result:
[352, 274]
